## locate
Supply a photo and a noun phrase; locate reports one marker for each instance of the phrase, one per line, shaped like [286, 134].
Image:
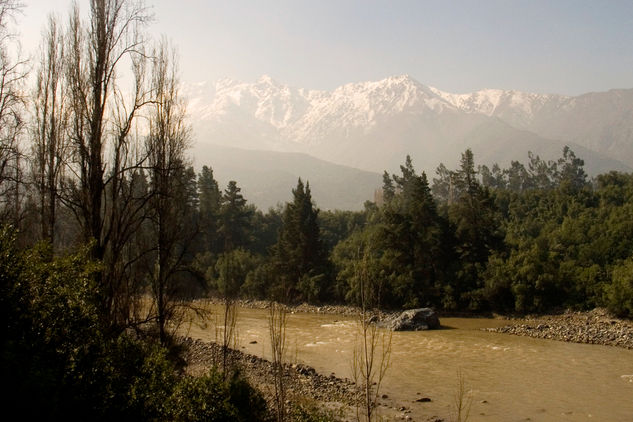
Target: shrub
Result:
[61, 359]
[619, 294]
[211, 398]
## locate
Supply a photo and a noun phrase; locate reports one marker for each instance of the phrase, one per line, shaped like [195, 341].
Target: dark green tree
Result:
[299, 255]
[235, 219]
[444, 185]
[388, 190]
[209, 209]
[477, 230]
[413, 234]
[571, 173]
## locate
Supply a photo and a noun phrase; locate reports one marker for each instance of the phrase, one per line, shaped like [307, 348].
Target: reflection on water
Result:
[512, 378]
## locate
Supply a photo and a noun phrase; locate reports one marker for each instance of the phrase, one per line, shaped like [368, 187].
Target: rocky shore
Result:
[593, 327]
[336, 394]
[304, 384]
[344, 310]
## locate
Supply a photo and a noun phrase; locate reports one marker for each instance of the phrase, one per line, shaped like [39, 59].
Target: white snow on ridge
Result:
[307, 117]
[494, 101]
[299, 112]
[359, 104]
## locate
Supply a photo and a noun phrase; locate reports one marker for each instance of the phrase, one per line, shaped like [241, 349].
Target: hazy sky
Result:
[566, 47]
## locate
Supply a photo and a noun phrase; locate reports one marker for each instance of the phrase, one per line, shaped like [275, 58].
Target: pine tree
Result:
[299, 254]
[209, 209]
[412, 235]
[388, 190]
[235, 218]
[476, 227]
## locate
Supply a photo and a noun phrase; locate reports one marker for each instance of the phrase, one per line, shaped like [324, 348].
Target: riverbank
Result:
[328, 392]
[344, 310]
[305, 386]
[591, 327]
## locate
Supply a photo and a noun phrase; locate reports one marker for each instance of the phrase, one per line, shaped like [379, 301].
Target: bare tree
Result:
[12, 76]
[103, 122]
[462, 399]
[373, 349]
[48, 130]
[277, 323]
[168, 140]
[228, 285]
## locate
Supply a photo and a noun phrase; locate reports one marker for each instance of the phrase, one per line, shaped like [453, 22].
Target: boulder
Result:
[414, 320]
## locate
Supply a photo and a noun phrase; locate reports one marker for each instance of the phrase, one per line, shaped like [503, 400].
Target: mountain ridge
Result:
[372, 125]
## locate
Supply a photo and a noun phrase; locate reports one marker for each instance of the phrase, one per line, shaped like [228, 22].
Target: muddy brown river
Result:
[511, 378]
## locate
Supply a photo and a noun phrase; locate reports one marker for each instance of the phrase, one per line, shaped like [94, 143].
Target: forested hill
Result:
[266, 177]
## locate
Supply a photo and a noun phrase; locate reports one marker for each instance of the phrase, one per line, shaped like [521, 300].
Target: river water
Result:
[512, 378]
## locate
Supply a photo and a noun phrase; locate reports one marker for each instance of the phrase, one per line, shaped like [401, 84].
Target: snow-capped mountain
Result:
[374, 125]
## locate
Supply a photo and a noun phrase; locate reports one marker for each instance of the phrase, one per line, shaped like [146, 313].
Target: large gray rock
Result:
[414, 320]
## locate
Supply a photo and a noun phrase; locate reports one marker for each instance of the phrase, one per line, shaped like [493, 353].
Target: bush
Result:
[619, 294]
[61, 359]
[210, 398]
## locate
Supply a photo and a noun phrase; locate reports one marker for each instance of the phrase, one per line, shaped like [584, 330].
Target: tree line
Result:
[529, 238]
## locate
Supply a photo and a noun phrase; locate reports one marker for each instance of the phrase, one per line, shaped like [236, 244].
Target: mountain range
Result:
[372, 126]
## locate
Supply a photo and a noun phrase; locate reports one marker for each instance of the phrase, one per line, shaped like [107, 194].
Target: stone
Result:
[414, 320]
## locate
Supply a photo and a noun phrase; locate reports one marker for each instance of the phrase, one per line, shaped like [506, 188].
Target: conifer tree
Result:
[412, 235]
[299, 254]
[388, 190]
[476, 226]
[209, 209]
[235, 218]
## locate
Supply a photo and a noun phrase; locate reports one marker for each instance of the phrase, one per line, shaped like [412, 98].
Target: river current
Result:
[511, 378]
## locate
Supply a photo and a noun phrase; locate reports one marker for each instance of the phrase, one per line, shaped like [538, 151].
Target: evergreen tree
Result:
[443, 186]
[235, 218]
[412, 235]
[209, 209]
[543, 174]
[571, 172]
[476, 228]
[388, 190]
[299, 255]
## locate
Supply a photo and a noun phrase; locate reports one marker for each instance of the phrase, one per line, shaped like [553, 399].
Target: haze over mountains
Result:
[373, 125]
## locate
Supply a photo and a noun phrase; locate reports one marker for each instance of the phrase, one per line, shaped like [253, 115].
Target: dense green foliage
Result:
[60, 361]
[529, 238]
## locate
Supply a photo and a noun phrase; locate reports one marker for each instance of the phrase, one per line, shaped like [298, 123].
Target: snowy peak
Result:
[266, 100]
[398, 115]
[395, 94]
[492, 102]
[296, 111]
